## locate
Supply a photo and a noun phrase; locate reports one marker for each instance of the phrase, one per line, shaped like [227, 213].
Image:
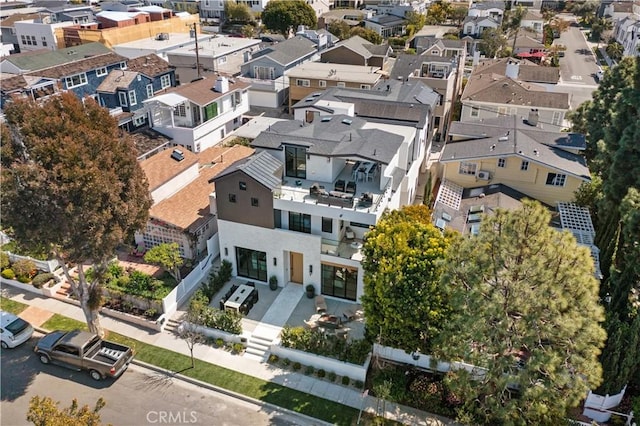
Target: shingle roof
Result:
[355, 43]
[202, 91]
[290, 50]
[527, 70]
[117, 79]
[10, 20]
[341, 136]
[39, 60]
[484, 5]
[150, 65]
[81, 65]
[523, 144]
[527, 42]
[263, 167]
[504, 90]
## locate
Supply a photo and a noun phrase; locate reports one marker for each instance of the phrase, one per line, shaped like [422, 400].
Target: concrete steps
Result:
[258, 346]
[64, 291]
[171, 326]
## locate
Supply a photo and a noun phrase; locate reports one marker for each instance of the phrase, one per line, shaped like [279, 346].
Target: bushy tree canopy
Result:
[283, 15]
[526, 309]
[168, 256]
[367, 34]
[71, 182]
[403, 300]
[45, 412]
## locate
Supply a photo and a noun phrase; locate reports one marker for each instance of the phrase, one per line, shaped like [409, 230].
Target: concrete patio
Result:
[306, 308]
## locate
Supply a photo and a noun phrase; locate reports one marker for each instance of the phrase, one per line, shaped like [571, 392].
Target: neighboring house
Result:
[198, 115]
[437, 46]
[160, 44]
[627, 33]
[180, 189]
[212, 10]
[312, 77]
[217, 55]
[474, 26]
[409, 104]
[353, 17]
[79, 14]
[386, 25]
[618, 10]
[544, 165]
[527, 45]
[36, 34]
[442, 74]
[491, 93]
[487, 9]
[358, 51]
[265, 70]
[25, 86]
[397, 8]
[124, 92]
[532, 20]
[121, 6]
[179, 6]
[8, 33]
[299, 208]
[323, 39]
[109, 19]
[28, 62]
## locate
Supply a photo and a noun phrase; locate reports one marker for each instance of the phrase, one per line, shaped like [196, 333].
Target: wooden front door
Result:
[295, 261]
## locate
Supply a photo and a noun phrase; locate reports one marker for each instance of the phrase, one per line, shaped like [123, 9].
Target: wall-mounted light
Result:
[415, 356]
[275, 262]
[310, 269]
[226, 251]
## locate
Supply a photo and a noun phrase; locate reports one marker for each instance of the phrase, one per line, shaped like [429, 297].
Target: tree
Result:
[586, 10]
[71, 182]
[238, 12]
[168, 256]
[598, 27]
[368, 34]
[401, 274]
[283, 15]
[438, 12]
[340, 29]
[188, 331]
[492, 42]
[458, 14]
[559, 25]
[45, 412]
[526, 310]
[415, 22]
[615, 50]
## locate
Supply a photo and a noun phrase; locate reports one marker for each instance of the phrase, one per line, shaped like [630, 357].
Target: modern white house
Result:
[200, 114]
[627, 33]
[299, 208]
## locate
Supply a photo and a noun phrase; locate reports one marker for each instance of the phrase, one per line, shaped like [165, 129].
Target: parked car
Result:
[599, 74]
[14, 330]
[82, 350]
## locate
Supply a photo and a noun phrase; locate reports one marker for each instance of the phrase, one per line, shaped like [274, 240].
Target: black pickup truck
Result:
[82, 350]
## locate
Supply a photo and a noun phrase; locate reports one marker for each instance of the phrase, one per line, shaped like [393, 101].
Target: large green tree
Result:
[492, 42]
[44, 411]
[367, 34]
[403, 300]
[71, 182]
[238, 12]
[283, 15]
[168, 256]
[526, 309]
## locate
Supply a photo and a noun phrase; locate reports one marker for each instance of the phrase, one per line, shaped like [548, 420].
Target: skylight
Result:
[347, 121]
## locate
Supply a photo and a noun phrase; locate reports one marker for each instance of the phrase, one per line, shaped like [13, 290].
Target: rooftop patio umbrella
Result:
[524, 55]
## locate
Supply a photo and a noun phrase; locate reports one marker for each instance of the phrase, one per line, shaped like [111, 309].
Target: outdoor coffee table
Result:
[238, 298]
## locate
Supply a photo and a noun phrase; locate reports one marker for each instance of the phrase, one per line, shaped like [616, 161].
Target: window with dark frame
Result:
[300, 222]
[254, 202]
[243, 186]
[327, 225]
[232, 198]
[339, 282]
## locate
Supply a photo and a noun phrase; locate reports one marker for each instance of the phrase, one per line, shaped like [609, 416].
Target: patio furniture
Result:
[349, 314]
[250, 284]
[349, 234]
[366, 200]
[321, 304]
[311, 324]
[351, 187]
[339, 186]
[329, 321]
[139, 251]
[237, 300]
[354, 170]
[254, 296]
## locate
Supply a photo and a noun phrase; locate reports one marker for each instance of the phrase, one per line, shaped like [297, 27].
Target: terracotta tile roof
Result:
[189, 208]
[201, 92]
[81, 65]
[161, 168]
[150, 65]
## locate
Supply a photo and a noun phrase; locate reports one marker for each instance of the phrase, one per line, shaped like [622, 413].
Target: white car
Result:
[14, 330]
[599, 74]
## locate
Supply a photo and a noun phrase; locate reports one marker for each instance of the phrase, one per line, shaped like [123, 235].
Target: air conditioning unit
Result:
[482, 175]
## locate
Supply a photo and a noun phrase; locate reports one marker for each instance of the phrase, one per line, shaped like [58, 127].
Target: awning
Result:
[538, 55]
[524, 55]
[169, 99]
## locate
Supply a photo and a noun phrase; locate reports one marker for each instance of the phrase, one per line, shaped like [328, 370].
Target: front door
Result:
[295, 260]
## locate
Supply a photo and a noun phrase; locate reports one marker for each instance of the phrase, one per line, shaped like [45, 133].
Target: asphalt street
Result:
[138, 397]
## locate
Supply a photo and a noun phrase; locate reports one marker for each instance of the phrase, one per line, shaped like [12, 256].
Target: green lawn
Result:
[12, 306]
[281, 396]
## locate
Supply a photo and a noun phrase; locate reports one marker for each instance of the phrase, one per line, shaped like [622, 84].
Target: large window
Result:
[76, 80]
[296, 162]
[165, 81]
[300, 222]
[556, 179]
[339, 282]
[123, 98]
[467, 168]
[251, 263]
[327, 225]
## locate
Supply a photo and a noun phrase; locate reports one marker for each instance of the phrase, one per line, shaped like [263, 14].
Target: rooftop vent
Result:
[325, 119]
[177, 155]
[347, 121]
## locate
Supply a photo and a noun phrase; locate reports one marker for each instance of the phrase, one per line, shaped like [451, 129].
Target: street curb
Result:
[215, 388]
[230, 393]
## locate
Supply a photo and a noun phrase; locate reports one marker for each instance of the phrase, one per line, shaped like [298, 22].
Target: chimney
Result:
[513, 69]
[533, 117]
[222, 85]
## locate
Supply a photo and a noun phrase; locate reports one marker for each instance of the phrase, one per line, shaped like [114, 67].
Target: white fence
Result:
[353, 371]
[596, 406]
[186, 287]
[423, 361]
[42, 265]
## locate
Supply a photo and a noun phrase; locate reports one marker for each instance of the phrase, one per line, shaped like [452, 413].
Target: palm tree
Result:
[615, 50]
[599, 26]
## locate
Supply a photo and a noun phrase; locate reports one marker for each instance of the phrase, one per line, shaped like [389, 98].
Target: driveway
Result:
[138, 397]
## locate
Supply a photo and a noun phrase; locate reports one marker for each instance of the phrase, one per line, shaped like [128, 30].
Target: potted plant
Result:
[273, 282]
[311, 291]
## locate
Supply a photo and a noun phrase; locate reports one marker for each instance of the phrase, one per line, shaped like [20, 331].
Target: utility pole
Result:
[195, 33]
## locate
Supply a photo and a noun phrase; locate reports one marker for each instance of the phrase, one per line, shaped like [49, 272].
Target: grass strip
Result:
[262, 390]
[9, 305]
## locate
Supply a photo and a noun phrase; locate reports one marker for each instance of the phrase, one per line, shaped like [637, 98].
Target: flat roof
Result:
[216, 46]
[323, 71]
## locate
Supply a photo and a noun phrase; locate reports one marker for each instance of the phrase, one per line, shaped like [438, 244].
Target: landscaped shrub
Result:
[358, 384]
[346, 380]
[237, 348]
[314, 341]
[273, 359]
[4, 260]
[207, 316]
[309, 370]
[40, 279]
[8, 274]
[217, 280]
[297, 366]
[321, 373]
[219, 342]
[136, 283]
[24, 270]
[332, 376]
[286, 362]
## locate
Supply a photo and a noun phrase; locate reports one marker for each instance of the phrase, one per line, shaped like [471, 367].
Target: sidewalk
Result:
[41, 309]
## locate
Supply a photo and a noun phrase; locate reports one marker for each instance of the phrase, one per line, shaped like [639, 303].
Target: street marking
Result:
[576, 77]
